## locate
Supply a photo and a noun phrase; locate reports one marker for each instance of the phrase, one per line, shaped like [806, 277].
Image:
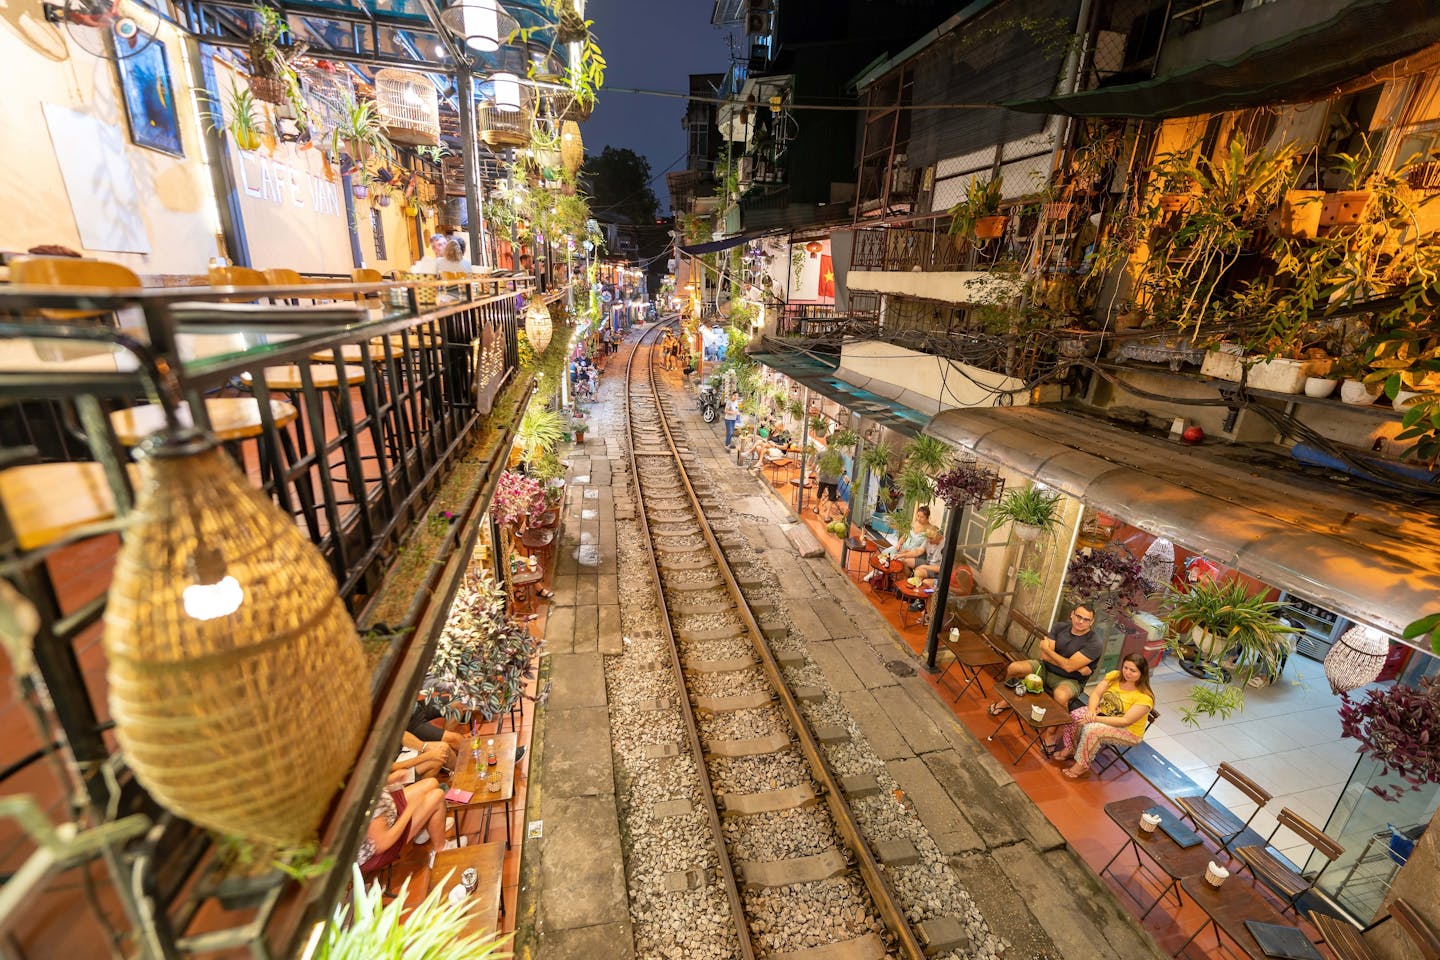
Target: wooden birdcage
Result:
[499, 128]
[408, 107]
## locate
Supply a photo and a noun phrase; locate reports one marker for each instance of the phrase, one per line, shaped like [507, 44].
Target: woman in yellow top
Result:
[1118, 712]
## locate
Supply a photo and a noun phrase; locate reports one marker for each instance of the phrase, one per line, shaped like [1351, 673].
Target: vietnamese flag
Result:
[827, 278]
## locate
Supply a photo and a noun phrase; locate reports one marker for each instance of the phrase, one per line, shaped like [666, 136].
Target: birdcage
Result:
[408, 107]
[504, 118]
[329, 91]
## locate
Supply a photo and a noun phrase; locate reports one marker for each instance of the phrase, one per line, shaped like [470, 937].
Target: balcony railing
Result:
[365, 401]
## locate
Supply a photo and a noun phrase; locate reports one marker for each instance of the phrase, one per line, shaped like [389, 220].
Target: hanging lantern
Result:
[222, 623]
[1356, 658]
[572, 148]
[408, 107]
[814, 247]
[538, 326]
[482, 24]
[506, 87]
[1158, 564]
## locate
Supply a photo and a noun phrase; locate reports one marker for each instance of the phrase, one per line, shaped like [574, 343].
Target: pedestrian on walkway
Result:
[732, 417]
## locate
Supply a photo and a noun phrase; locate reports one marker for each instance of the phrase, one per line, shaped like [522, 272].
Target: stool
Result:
[538, 542]
[861, 549]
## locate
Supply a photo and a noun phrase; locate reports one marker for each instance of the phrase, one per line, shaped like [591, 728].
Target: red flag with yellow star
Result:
[827, 278]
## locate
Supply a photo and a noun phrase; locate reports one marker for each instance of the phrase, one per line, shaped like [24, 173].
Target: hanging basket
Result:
[572, 147]
[1028, 532]
[218, 717]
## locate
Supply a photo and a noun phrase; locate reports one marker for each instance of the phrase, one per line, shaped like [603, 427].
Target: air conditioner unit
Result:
[757, 23]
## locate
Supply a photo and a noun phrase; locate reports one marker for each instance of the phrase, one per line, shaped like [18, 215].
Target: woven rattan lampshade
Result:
[245, 723]
[1356, 658]
[572, 148]
[538, 326]
[408, 106]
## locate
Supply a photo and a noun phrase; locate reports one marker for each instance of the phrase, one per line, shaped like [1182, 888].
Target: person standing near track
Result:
[732, 417]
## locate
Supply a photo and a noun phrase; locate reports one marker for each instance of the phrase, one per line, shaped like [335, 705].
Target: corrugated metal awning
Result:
[1356, 552]
[884, 403]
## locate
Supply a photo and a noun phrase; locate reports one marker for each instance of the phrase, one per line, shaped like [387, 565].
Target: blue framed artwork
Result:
[150, 99]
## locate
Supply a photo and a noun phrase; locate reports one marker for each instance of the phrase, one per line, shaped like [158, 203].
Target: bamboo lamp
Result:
[1356, 658]
[572, 147]
[237, 683]
[539, 328]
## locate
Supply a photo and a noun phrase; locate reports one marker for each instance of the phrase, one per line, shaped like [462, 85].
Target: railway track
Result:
[763, 777]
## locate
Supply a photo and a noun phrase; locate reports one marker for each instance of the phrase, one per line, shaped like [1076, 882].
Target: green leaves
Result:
[370, 928]
[1426, 627]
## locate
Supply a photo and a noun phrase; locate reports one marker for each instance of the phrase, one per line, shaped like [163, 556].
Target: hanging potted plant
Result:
[968, 484]
[244, 124]
[978, 213]
[1110, 573]
[1398, 727]
[843, 439]
[540, 431]
[360, 190]
[1031, 512]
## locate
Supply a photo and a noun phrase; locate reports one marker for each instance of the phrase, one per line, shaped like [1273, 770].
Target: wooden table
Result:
[795, 482]
[352, 353]
[1020, 705]
[909, 591]
[1175, 862]
[972, 654]
[231, 418]
[1228, 906]
[537, 540]
[861, 548]
[889, 568]
[325, 376]
[470, 776]
[487, 860]
[776, 464]
[46, 501]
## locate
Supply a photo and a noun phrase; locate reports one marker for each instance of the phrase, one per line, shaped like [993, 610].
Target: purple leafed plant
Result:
[1399, 727]
[966, 484]
[1111, 572]
[517, 498]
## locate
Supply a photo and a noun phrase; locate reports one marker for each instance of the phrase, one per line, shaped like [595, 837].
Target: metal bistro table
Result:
[1175, 861]
[1228, 907]
[1020, 705]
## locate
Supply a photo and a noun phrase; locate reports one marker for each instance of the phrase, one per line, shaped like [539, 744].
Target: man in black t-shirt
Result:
[1067, 657]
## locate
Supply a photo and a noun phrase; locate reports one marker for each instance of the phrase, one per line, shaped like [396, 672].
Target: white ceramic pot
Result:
[1354, 392]
[1028, 532]
[1403, 398]
[1281, 375]
[1320, 386]
[1207, 643]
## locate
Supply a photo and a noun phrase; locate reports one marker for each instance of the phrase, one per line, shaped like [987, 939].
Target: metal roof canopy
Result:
[1370, 559]
[874, 400]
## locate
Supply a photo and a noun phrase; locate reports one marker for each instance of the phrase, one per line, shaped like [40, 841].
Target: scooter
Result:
[709, 403]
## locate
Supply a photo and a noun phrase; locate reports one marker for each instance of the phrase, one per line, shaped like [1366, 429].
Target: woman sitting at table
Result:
[912, 548]
[930, 569]
[1118, 712]
[401, 815]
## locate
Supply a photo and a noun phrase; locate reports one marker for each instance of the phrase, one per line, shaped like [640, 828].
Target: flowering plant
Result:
[965, 484]
[1110, 572]
[517, 498]
[1399, 727]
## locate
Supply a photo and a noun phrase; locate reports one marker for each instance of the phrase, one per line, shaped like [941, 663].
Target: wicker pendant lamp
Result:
[538, 326]
[1356, 658]
[572, 148]
[237, 684]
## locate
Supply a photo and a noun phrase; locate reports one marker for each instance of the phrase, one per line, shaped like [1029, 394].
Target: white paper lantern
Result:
[538, 326]
[1356, 658]
[506, 87]
[477, 22]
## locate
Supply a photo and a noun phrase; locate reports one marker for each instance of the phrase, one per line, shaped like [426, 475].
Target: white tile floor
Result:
[1287, 739]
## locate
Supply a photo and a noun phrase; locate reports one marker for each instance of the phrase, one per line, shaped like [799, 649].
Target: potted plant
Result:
[1031, 512]
[977, 213]
[968, 484]
[244, 124]
[1221, 630]
[1109, 572]
[373, 925]
[916, 489]
[540, 431]
[1298, 216]
[517, 500]
[1399, 727]
[844, 439]
[482, 660]
[579, 426]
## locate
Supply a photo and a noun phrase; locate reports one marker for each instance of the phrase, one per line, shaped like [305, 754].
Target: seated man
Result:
[1067, 655]
[399, 816]
[930, 569]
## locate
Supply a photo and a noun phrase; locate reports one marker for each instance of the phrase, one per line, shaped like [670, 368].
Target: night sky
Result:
[652, 45]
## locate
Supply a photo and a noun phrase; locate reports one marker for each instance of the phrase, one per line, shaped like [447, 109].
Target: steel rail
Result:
[697, 749]
[879, 888]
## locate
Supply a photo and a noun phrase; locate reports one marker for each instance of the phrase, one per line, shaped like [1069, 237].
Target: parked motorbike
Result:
[709, 403]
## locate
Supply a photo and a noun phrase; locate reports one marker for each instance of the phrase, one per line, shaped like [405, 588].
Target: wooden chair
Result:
[1215, 819]
[237, 277]
[70, 272]
[1114, 753]
[1415, 927]
[1275, 871]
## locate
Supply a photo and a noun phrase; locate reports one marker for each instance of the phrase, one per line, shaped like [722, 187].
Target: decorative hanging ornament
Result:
[538, 326]
[814, 247]
[1356, 658]
[482, 24]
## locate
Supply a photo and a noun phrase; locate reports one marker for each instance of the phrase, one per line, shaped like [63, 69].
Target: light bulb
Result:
[207, 601]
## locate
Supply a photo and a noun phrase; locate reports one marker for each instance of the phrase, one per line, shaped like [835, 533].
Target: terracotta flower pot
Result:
[991, 227]
[1300, 214]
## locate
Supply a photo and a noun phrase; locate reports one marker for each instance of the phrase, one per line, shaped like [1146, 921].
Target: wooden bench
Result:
[1348, 942]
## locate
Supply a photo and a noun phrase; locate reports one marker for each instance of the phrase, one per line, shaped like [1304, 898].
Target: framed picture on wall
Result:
[150, 100]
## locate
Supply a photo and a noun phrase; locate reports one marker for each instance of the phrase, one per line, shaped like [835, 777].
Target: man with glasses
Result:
[1067, 655]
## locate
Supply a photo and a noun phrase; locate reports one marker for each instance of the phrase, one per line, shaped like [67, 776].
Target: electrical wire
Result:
[846, 108]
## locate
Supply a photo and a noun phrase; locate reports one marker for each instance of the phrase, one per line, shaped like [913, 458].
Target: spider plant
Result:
[244, 125]
[540, 430]
[1027, 507]
[927, 453]
[369, 928]
[916, 488]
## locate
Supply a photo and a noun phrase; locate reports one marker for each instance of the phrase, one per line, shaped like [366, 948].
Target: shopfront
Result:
[1329, 560]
